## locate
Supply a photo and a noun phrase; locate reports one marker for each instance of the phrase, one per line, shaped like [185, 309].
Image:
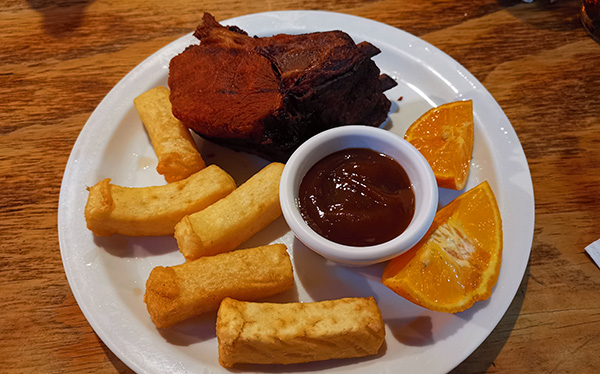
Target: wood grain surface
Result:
[58, 59]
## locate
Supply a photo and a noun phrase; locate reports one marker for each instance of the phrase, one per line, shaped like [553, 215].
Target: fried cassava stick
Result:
[155, 210]
[178, 157]
[231, 221]
[179, 292]
[268, 333]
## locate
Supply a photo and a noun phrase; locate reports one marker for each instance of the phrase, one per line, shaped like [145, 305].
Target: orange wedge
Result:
[458, 261]
[444, 135]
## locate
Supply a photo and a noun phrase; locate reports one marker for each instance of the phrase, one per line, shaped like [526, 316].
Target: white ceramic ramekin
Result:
[418, 170]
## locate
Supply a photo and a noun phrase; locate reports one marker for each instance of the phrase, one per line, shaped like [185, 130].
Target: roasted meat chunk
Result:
[268, 95]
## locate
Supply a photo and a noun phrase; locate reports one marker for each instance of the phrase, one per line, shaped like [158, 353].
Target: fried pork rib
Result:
[268, 95]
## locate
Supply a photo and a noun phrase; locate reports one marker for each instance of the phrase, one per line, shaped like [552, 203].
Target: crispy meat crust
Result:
[268, 95]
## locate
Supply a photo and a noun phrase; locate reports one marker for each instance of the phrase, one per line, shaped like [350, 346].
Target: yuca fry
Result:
[153, 211]
[231, 221]
[178, 157]
[190, 289]
[267, 333]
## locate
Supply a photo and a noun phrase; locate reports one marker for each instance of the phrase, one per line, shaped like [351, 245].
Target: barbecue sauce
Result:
[357, 197]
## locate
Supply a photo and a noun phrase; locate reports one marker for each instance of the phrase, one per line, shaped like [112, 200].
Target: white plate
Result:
[108, 275]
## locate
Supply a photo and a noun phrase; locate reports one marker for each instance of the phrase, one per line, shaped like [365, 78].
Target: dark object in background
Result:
[590, 17]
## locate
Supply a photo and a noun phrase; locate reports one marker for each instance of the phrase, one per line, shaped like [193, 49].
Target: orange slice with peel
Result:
[458, 261]
[444, 135]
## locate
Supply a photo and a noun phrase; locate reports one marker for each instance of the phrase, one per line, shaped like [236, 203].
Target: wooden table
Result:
[57, 62]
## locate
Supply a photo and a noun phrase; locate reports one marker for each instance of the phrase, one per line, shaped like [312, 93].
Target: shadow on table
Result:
[60, 17]
[483, 357]
[560, 15]
[119, 365]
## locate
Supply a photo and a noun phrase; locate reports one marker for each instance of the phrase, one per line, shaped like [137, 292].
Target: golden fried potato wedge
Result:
[178, 157]
[179, 292]
[153, 211]
[267, 333]
[231, 221]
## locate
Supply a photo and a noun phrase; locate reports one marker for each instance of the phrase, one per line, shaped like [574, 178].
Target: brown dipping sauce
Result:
[357, 197]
